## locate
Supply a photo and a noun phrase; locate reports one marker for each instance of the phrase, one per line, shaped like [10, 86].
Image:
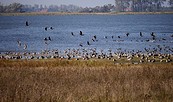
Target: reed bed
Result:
[84, 81]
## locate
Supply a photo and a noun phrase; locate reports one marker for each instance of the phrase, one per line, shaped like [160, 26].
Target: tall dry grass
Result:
[84, 81]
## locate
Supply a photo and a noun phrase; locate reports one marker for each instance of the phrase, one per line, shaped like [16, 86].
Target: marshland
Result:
[84, 80]
[76, 58]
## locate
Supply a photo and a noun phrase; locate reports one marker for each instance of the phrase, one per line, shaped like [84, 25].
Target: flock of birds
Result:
[87, 54]
[150, 55]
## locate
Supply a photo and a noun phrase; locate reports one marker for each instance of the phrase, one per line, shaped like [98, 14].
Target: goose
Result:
[93, 40]
[27, 24]
[25, 46]
[80, 45]
[88, 42]
[81, 33]
[45, 28]
[45, 39]
[127, 34]
[19, 43]
[49, 38]
[95, 37]
[51, 28]
[152, 34]
[72, 33]
[141, 34]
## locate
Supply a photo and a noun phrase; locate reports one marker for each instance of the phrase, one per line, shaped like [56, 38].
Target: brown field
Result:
[56, 80]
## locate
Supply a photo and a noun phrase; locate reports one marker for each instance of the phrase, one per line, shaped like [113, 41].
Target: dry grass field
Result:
[84, 81]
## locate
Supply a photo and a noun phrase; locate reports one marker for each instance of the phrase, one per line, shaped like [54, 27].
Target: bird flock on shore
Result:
[148, 55]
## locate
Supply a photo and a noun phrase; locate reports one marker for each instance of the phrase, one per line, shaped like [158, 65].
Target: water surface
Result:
[110, 31]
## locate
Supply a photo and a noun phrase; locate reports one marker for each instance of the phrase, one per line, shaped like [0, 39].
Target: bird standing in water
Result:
[25, 46]
[88, 42]
[49, 38]
[81, 33]
[45, 28]
[19, 43]
[27, 24]
[72, 33]
[51, 28]
[141, 34]
[127, 34]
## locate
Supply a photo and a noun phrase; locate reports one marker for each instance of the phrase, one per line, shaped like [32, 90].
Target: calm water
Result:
[107, 28]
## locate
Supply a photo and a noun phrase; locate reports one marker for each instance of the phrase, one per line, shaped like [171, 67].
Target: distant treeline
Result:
[17, 7]
[120, 6]
[144, 5]
[14, 7]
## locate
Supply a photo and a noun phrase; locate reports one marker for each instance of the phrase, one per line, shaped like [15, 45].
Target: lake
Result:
[110, 33]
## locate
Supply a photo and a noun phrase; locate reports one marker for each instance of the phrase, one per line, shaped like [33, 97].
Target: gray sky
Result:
[83, 3]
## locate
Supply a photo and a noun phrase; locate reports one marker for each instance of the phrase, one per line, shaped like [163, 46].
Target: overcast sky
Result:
[83, 3]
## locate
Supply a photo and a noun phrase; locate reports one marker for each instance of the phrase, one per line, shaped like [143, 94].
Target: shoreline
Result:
[78, 13]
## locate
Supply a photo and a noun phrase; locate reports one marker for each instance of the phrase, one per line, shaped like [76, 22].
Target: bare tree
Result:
[14, 7]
